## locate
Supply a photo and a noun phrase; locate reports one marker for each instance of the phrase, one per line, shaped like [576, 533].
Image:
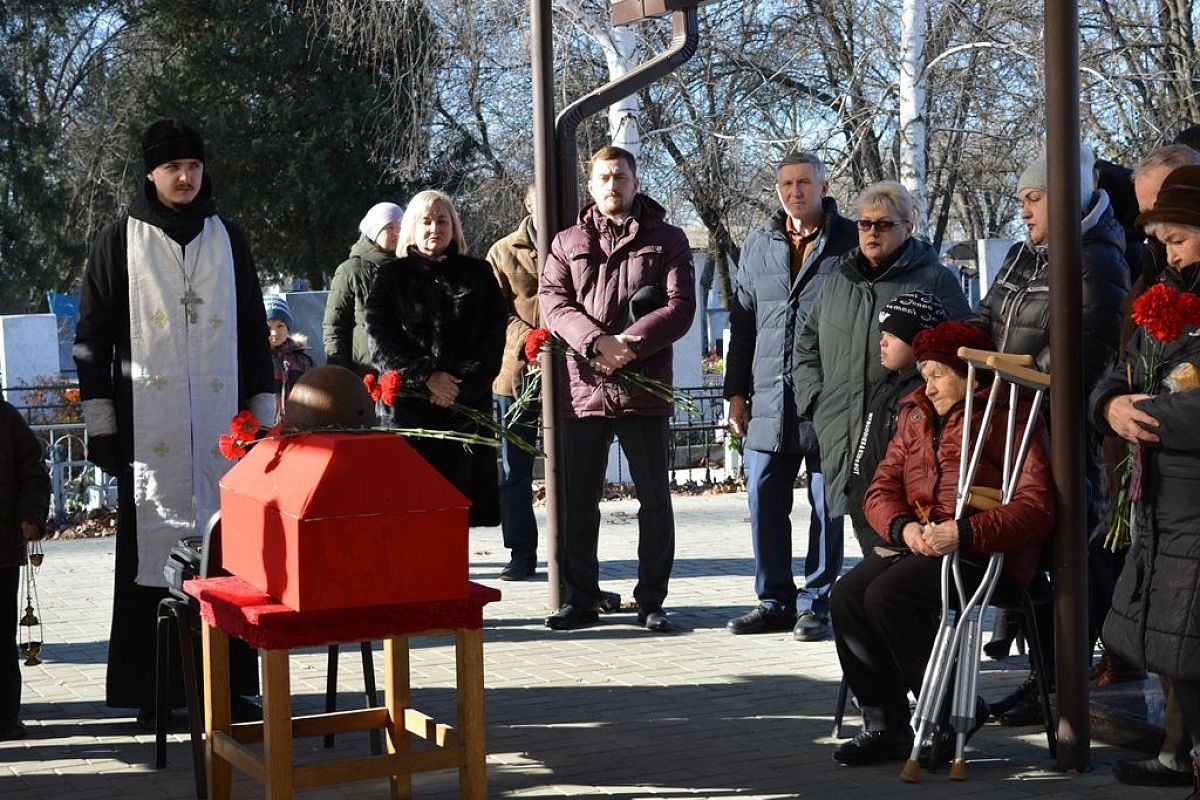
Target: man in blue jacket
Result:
[782, 266]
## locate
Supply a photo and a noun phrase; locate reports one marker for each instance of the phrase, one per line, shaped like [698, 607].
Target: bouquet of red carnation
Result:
[243, 432]
[1165, 314]
[538, 338]
[391, 386]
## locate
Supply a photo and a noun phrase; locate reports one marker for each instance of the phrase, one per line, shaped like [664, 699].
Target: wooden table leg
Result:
[397, 692]
[277, 724]
[472, 776]
[216, 707]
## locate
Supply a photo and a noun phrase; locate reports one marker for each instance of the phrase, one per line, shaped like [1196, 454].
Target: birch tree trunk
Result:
[619, 46]
[913, 108]
[623, 128]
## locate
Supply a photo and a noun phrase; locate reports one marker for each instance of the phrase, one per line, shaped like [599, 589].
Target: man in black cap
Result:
[171, 344]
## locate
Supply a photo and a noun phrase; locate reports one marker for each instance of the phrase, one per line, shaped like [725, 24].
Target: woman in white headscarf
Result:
[345, 310]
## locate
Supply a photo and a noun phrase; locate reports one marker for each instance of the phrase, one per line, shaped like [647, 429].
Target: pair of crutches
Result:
[955, 655]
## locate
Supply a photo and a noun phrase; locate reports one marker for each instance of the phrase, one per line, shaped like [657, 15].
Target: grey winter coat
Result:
[345, 326]
[1155, 616]
[592, 273]
[838, 352]
[1016, 310]
[766, 315]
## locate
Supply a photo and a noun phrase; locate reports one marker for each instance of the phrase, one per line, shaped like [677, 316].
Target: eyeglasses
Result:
[880, 225]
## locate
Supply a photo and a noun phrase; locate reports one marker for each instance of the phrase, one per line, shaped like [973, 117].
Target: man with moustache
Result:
[617, 287]
[171, 344]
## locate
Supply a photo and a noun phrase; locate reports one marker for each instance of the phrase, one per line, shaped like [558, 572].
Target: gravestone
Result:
[28, 354]
[308, 312]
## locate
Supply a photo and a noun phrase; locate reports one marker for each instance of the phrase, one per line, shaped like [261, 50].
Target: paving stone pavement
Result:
[611, 711]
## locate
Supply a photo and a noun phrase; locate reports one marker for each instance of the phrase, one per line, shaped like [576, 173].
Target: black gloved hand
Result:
[105, 452]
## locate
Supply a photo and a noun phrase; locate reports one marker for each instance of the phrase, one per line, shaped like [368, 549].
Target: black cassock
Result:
[103, 357]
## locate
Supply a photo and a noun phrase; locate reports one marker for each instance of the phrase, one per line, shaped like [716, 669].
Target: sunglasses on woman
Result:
[880, 225]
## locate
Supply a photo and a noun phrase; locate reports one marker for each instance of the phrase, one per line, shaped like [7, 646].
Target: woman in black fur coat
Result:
[435, 315]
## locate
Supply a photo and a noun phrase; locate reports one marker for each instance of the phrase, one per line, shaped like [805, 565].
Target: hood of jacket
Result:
[182, 225]
[913, 254]
[367, 250]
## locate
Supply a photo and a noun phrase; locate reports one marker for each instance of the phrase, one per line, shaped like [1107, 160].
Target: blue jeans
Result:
[770, 478]
[517, 522]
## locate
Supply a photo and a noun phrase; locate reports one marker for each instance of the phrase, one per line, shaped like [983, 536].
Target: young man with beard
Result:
[170, 346]
[619, 288]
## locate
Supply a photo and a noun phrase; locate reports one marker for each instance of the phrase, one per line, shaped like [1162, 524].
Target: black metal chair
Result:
[1025, 601]
[368, 666]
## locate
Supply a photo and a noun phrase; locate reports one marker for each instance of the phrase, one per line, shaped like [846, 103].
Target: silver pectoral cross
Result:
[189, 301]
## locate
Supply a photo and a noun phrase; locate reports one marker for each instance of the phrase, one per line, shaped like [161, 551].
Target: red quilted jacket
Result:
[921, 466]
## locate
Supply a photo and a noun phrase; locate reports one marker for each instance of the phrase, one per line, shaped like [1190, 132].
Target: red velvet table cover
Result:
[241, 610]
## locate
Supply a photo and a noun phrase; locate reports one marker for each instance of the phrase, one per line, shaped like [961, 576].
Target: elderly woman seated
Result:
[885, 609]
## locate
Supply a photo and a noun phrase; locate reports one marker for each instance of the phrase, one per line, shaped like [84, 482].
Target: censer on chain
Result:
[31, 645]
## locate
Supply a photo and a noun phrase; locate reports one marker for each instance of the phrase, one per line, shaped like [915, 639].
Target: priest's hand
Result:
[105, 453]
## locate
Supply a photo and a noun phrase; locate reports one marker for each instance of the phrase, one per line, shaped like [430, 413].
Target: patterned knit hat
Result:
[941, 343]
[277, 309]
[909, 314]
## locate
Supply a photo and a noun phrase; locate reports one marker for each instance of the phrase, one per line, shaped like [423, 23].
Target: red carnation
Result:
[534, 341]
[244, 426]
[389, 386]
[373, 387]
[230, 447]
[1166, 312]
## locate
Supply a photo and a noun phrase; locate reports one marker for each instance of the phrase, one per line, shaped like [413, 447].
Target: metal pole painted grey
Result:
[1066, 394]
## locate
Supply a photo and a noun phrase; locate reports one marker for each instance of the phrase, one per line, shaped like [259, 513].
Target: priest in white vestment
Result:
[171, 344]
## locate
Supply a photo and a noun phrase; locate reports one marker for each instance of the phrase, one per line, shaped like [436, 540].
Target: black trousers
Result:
[885, 614]
[585, 445]
[10, 667]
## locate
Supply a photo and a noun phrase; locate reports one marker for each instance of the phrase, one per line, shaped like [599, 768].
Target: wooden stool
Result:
[231, 607]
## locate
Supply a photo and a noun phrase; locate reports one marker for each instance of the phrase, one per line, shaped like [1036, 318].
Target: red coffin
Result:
[340, 520]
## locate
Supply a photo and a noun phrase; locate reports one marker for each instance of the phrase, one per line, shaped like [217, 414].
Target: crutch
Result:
[958, 636]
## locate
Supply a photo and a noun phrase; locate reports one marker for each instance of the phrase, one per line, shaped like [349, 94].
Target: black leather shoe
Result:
[873, 747]
[570, 617]
[1149, 772]
[1028, 711]
[517, 571]
[762, 620]
[656, 620]
[1029, 688]
[811, 627]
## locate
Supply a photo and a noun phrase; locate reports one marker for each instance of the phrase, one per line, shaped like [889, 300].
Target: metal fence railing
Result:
[53, 412]
[697, 437]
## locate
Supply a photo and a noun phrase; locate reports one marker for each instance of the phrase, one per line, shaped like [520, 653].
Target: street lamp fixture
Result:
[627, 12]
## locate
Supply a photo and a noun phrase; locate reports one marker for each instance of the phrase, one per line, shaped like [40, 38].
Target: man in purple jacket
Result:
[618, 287]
